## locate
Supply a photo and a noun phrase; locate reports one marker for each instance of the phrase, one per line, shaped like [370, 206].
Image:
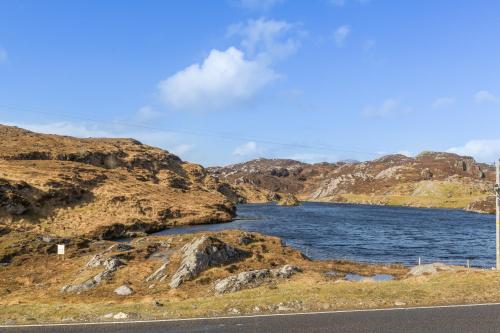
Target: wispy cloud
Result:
[483, 150]
[248, 149]
[181, 149]
[81, 130]
[484, 96]
[388, 107]
[337, 3]
[3, 55]
[443, 102]
[313, 158]
[166, 140]
[267, 38]
[259, 5]
[341, 35]
[342, 3]
[369, 44]
[147, 113]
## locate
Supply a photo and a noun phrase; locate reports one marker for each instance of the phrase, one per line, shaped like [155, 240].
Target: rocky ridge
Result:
[431, 179]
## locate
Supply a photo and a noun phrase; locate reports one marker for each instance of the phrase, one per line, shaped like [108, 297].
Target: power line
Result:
[196, 132]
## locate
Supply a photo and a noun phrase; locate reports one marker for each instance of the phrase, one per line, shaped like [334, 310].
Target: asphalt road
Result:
[479, 318]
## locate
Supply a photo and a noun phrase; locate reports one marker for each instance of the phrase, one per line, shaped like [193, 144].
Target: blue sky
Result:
[219, 82]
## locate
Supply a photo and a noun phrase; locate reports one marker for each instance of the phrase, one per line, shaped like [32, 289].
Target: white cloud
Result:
[443, 102]
[259, 5]
[341, 34]
[3, 55]
[269, 39]
[482, 150]
[146, 113]
[484, 96]
[369, 44]
[247, 149]
[224, 77]
[389, 106]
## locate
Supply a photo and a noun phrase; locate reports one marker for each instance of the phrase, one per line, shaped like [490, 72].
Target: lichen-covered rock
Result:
[426, 173]
[110, 264]
[240, 281]
[285, 271]
[124, 290]
[202, 253]
[429, 269]
[253, 278]
[88, 284]
[120, 315]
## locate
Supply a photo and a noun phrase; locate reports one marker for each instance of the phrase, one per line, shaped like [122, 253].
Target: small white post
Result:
[60, 251]
[468, 263]
[419, 261]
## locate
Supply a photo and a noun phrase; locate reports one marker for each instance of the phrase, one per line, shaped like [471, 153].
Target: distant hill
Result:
[104, 188]
[431, 179]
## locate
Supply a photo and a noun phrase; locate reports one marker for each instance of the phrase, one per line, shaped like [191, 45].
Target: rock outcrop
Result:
[159, 274]
[110, 266]
[288, 200]
[124, 290]
[203, 253]
[429, 269]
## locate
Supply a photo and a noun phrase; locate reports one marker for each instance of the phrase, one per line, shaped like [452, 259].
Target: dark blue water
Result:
[371, 233]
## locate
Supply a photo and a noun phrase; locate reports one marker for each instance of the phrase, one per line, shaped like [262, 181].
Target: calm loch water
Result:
[371, 233]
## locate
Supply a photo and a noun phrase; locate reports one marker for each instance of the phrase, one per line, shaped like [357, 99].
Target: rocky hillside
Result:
[431, 179]
[103, 188]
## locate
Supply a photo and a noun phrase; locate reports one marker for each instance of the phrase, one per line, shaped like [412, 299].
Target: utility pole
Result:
[497, 200]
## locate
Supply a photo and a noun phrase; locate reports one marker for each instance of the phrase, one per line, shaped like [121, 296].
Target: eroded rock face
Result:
[253, 278]
[110, 264]
[203, 253]
[159, 274]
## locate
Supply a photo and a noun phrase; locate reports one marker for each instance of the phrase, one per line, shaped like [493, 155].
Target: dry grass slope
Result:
[106, 188]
